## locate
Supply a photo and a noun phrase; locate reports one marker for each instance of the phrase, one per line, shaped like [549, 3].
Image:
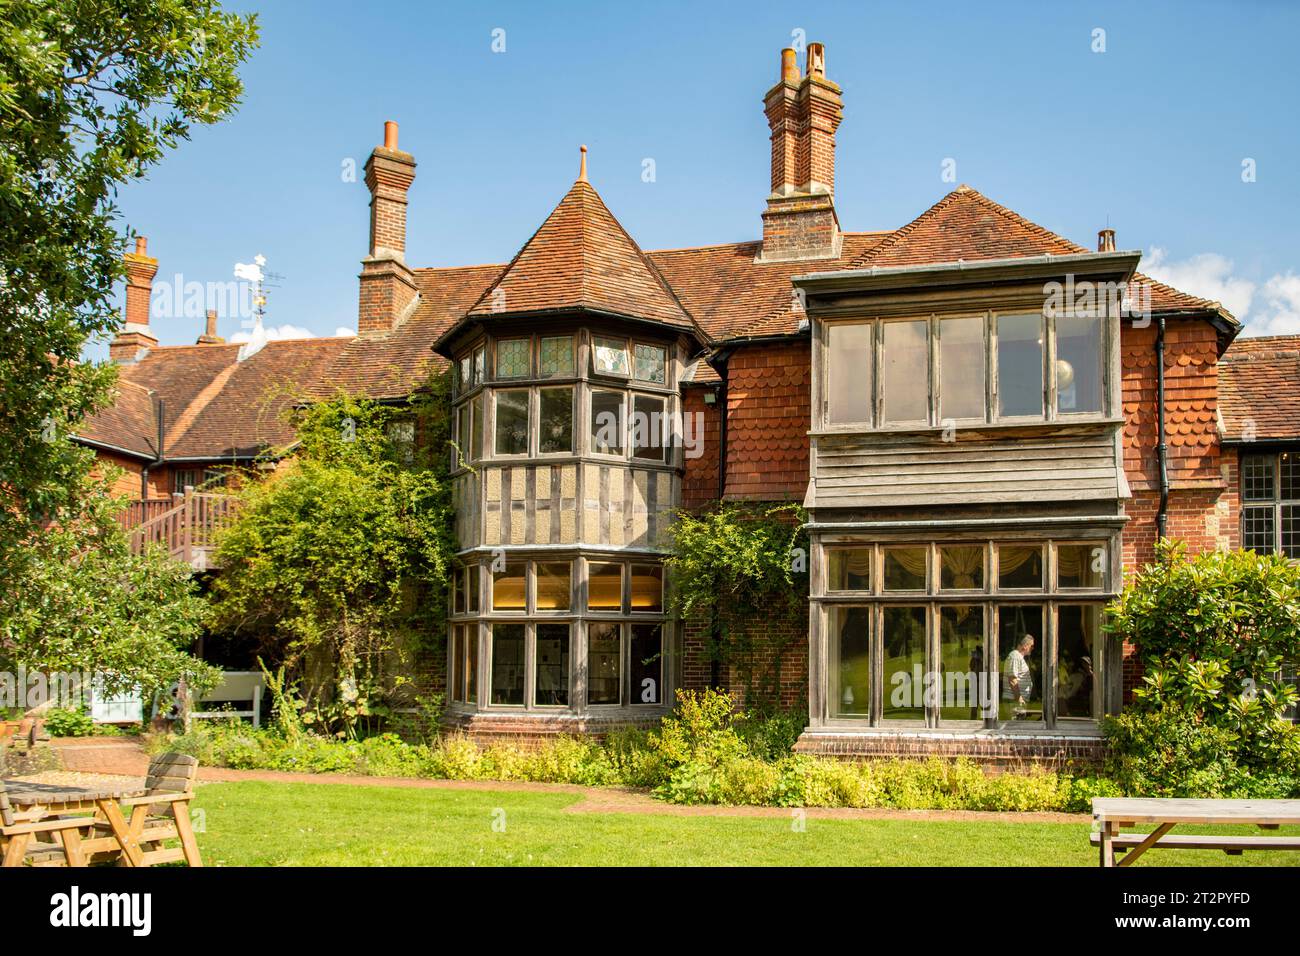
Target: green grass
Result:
[274, 824]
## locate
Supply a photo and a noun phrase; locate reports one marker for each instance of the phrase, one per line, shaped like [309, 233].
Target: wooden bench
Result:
[20, 841]
[1113, 814]
[162, 814]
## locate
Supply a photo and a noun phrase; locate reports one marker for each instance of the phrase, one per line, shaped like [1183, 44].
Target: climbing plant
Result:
[742, 572]
[339, 560]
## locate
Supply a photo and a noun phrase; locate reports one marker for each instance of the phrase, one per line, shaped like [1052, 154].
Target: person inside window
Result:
[1017, 680]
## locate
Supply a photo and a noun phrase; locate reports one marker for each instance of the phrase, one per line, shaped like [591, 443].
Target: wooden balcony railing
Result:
[188, 529]
[138, 512]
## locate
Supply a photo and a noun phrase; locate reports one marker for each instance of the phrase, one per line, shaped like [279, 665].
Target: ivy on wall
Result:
[742, 570]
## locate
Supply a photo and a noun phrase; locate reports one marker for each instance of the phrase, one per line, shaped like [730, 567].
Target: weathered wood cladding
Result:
[889, 470]
[598, 504]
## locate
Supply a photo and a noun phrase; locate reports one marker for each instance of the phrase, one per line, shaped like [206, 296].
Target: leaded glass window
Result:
[651, 363]
[513, 358]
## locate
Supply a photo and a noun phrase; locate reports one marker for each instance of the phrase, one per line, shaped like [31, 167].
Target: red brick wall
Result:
[700, 482]
[778, 661]
[769, 394]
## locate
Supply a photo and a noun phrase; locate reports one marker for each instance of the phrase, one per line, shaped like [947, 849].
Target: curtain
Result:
[964, 563]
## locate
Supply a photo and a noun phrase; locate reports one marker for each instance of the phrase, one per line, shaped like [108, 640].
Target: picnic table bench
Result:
[1111, 815]
[155, 812]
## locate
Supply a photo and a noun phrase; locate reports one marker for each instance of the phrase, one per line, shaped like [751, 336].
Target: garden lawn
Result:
[279, 824]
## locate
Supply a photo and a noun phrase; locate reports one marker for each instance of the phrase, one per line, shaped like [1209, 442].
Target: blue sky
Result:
[1149, 135]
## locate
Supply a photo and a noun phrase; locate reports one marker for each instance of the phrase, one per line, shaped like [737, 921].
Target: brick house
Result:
[988, 423]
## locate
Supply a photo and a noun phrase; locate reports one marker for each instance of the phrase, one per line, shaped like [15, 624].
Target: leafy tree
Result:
[92, 95]
[1218, 634]
[734, 564]
[87, 604]
[339, 561]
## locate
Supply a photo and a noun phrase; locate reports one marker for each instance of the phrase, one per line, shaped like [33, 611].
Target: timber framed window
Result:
[533, 422]
[939, 370]
[538, 645]
[1003, 634]
[1270, 503]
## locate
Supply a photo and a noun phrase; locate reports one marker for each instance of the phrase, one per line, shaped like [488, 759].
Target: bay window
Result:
[935, 641]
[930, 371]
[535, 632]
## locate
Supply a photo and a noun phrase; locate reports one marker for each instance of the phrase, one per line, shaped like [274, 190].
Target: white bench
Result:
[235, 687]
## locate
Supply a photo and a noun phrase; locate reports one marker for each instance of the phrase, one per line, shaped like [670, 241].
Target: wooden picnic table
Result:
[37, 801]
[1111, 815]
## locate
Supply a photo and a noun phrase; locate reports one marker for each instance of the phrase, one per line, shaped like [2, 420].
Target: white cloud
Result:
[276, 333]
[1271, 308]
[343, 332]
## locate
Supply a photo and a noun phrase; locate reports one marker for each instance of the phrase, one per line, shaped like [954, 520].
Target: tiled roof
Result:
[1259, 388]
[240, 412]
[582, 258]
[731, 295]
[214, 406]
[967, 225]
[130, 423]
[392, 365]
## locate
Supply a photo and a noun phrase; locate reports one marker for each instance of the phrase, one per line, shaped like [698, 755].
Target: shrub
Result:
[1215, 633]
[1170, 752]
[69, 722]
[772, 735]
[701, 730]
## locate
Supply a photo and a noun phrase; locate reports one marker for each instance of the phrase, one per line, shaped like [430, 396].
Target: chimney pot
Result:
[141, 246]
[816, 63]
[789, 66]
[390, 134]
[1106, 240]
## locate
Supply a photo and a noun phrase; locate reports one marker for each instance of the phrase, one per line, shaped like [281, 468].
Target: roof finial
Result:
[582, 167]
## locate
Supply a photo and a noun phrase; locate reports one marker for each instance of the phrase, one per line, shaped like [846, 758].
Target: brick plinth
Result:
[533, 729]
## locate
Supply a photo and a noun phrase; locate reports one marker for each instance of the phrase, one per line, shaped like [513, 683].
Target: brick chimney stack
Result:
[1106, 240]
[803, 114]
[210, 336]
[388, 289]
[136, 336]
